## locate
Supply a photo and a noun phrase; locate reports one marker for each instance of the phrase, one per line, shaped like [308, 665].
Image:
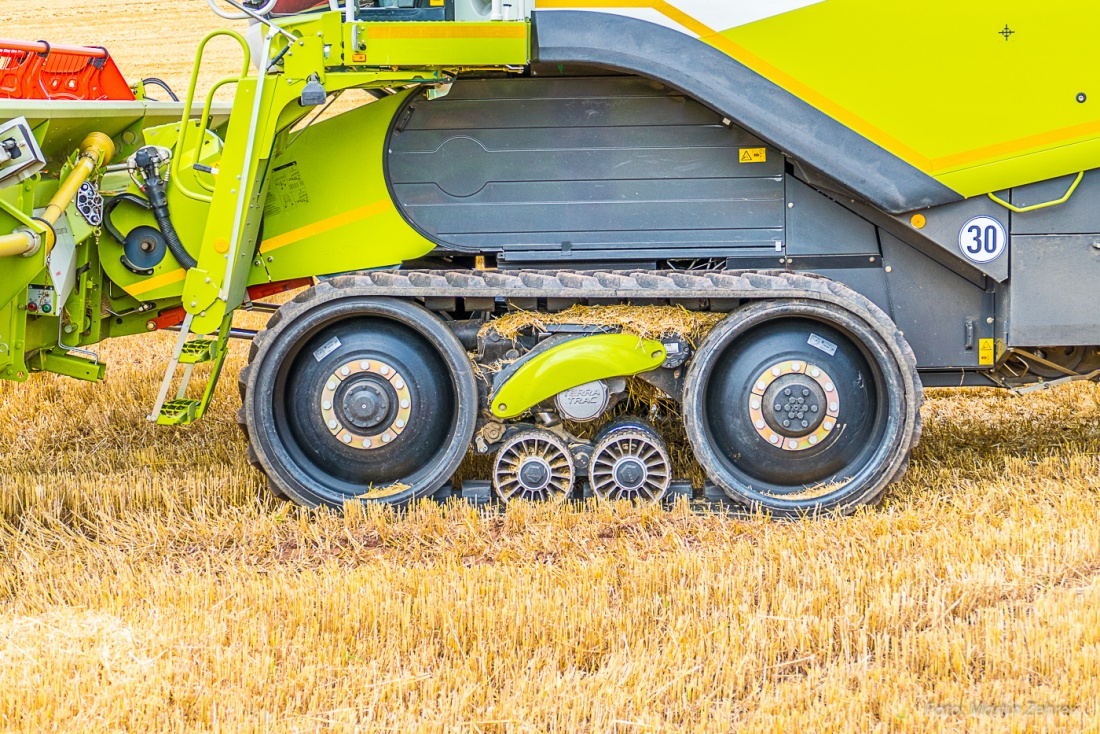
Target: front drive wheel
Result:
[797, 407]
[352, 397]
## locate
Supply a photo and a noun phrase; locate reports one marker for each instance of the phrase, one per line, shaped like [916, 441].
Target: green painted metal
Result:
[1042, 205]
[181, 412]
[184, 411]
[67, 365]
[328, 209]
[576, 362]
[199, 351]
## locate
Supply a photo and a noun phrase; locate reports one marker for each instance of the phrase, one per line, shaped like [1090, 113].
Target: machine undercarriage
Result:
[499, 249]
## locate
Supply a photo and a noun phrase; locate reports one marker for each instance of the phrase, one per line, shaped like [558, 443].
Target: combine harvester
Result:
[873, 196]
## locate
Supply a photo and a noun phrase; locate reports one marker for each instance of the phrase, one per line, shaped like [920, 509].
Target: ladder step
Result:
[199, 351]
[178, 412]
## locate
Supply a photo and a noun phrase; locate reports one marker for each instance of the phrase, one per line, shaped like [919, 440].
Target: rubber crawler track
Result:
[606, 286]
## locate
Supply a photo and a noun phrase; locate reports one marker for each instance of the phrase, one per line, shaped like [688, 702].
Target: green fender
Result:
[574, 363]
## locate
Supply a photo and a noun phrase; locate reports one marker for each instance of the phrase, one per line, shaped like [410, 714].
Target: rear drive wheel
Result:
[351, 397]
[796, 407]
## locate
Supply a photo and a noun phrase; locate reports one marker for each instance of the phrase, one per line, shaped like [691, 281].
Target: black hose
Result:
[152, 80]
[155, 192]
[109, 208]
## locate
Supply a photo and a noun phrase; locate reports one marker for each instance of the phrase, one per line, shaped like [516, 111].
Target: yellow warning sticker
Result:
[754, 155]
[985, 352]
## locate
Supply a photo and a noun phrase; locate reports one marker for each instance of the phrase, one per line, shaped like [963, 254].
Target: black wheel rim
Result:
[396, 398]
[761, 443]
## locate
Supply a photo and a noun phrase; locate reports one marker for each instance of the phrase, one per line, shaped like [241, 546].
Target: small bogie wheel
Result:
[798, 406]
[630, 462]
[534, 465]
[351, 397]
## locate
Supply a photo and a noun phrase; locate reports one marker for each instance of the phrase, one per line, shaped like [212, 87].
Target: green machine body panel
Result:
[574, 363]
[328, 207]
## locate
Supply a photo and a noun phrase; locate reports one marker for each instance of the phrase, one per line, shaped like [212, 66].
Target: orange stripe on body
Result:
[441, 30]
[943, 164]
[145, 286]
[326, 225]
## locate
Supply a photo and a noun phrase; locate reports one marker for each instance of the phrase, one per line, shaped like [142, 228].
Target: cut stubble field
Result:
[148, 583]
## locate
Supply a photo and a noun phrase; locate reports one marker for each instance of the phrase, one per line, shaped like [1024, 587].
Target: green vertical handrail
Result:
[181, 139]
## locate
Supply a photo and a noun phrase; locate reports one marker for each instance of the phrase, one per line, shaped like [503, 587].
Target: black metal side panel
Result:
[584, 170]
[1052, 297]
[936, 309]
[702, 71]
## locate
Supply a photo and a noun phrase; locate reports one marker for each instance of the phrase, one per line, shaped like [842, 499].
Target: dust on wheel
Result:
[797, 407]
[351, 397]
[630, 462]
[534, 465]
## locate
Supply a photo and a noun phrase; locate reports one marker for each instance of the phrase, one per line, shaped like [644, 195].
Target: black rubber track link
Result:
[637, 287]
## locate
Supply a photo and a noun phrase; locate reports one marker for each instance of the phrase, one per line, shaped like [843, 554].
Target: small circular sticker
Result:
[982, 239]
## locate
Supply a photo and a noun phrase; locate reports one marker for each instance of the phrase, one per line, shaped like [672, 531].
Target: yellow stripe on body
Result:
[160, 281]
[326, 225]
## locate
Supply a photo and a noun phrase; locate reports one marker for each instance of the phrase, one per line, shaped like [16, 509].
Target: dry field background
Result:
[146, 584]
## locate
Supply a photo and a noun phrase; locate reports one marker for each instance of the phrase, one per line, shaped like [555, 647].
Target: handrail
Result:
[181, 140]
[1044, 205]
[41, 47]
[207, 114]
[241, 16]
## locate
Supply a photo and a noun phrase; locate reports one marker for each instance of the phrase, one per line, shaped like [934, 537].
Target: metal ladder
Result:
[182, 410]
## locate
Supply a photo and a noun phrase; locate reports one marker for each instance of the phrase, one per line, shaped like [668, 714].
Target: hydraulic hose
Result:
[155, 192]
[96, 150]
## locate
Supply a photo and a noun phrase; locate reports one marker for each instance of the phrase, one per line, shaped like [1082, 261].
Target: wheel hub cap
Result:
[630, 473]
[534, 474]
[366, 404]
[794, 405]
